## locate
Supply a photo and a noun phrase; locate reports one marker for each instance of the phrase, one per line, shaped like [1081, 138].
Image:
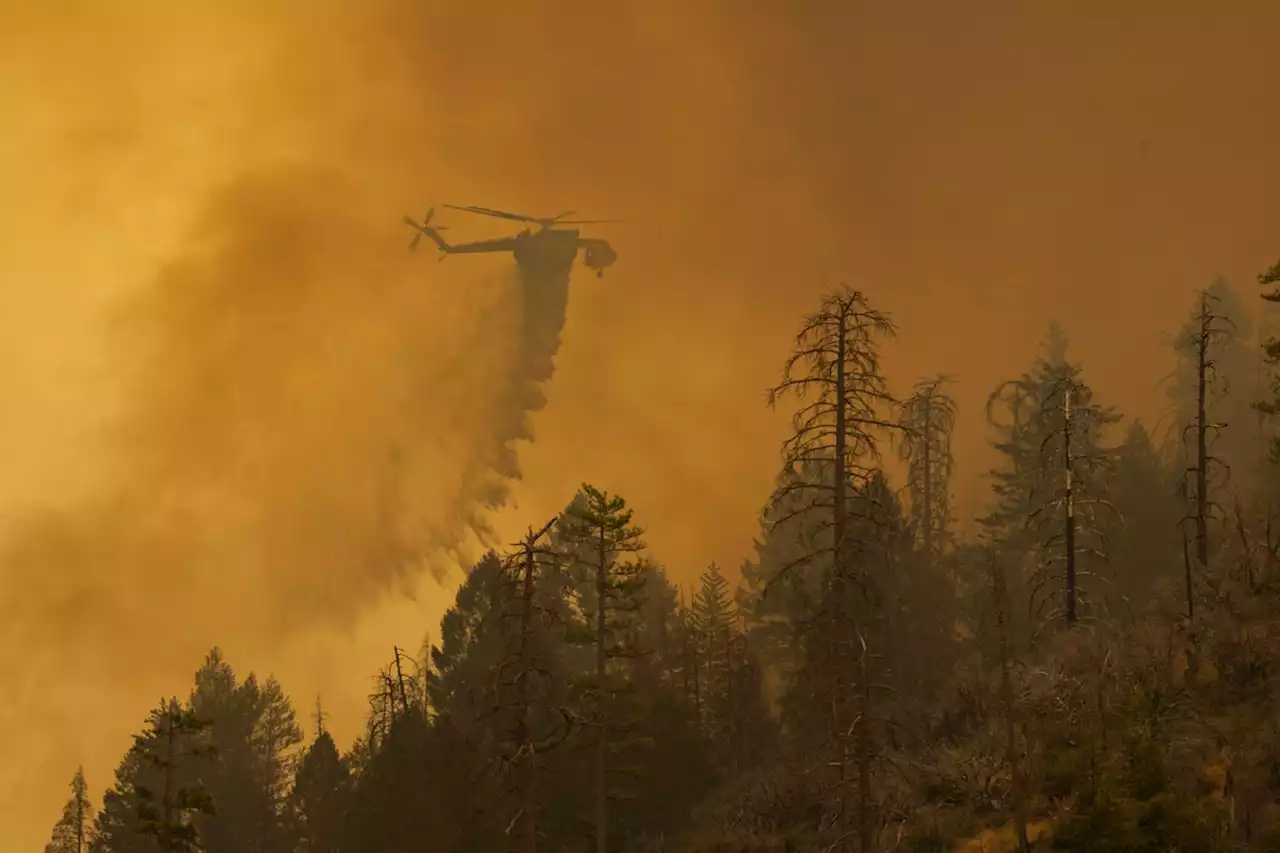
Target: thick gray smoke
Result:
[311, 418]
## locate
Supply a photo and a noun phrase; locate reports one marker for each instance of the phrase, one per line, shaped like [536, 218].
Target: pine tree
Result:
[245, 782]
[1201, 343]
[1144, 550]
[1051, 504]
[70, 833]
[168, 812]
[691, 661]
[714, 615]
[831, 459]
[1271, 348]
[318, 801]
[1008, 707]
[778, 601]
[604, 544]
[488, 657]
[1219, 324]
[276, 737]
[660, 621]
[928, 421]
[523, 678]
[115, 828]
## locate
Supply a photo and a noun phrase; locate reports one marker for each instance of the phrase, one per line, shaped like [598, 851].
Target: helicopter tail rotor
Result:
[422, 227]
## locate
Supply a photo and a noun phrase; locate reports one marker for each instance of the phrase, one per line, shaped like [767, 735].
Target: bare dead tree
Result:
[928, 419]
[398, 688]
[516, 704]
[832, 457]
[1209, 327]
[1068, 508]
[1271, 348]
[525, 561]
[835, 375]
[521, 678]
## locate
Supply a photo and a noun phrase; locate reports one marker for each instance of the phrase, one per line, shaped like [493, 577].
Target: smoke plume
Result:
[309, 425]
[304, 410]
[289, 408]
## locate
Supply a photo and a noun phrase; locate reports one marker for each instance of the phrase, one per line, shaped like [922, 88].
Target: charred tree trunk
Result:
[602, 721]
[1186, 568]
[928, 484]
[839, 498]
[522, 567]
[1000, 596]
[1069, 520]
[866, 835]
[400, 685]
[928, 420]
[838, 473]
[524, 728]
[1202, 439]
[835, 373]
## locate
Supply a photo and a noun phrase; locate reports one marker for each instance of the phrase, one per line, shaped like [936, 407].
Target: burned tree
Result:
[524, 677]
[1271, 279]
[1198, 342]
[398, 689]
[830, 468]
[1050, 496]
[836, 433]
[1000, 600]
[928, 421]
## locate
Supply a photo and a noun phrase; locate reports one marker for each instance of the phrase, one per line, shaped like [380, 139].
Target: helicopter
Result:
[550, 245]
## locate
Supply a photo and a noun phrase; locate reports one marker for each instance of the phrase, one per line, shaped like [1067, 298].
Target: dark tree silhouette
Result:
[837, 431]
[170, 742]
[70, 833]
[604, 543]
[928, 421]
[1051, 497]
[1208, 327]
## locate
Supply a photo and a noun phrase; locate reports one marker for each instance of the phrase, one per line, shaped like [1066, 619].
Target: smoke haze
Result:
[237, 411]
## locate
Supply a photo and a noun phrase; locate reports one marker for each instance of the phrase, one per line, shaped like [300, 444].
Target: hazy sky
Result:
[212, 332]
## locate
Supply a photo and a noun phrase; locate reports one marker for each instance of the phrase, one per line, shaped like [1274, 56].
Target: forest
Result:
[1090, 665]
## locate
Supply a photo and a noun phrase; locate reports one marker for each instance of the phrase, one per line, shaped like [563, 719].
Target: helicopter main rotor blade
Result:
[588, 221]
[413, 244]
[487, 211]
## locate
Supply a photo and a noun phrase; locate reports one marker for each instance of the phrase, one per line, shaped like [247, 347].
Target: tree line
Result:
[1089, 665]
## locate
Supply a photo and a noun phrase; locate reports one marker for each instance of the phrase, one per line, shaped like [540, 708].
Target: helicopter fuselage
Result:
[557, 248]
[553, 248]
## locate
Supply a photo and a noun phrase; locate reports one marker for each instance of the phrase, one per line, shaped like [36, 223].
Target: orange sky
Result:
[212, 330]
